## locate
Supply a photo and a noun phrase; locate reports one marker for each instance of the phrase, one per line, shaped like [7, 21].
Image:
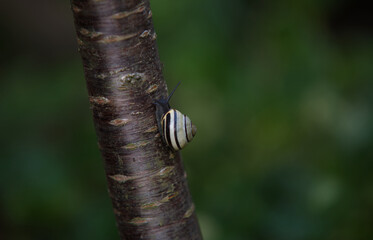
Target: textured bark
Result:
[146, 180]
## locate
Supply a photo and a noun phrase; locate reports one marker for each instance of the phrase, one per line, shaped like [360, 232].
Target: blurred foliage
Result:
[281, 92]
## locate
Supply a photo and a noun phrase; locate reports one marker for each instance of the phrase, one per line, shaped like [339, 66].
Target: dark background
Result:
[281, 92]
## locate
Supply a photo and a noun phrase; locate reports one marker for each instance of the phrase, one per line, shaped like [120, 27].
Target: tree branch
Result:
[146, 180]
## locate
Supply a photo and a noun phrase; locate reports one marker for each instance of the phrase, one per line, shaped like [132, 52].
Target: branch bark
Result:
[146, 180]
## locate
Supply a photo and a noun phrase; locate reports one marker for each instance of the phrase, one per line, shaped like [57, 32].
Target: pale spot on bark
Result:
[189, 212]
[150, 14]
[169, 197]
[122, 178]
[132, 78]
[99, 100]
[76, 9]
[166, 170]
[145, 33]
[91, 34]
[151, 205]
[138, 221]
[152, 129]
[136, 113]
[132, 146]
[140, 8]
[119, 122]
[154, 36]
[116, 38]
[152, 88]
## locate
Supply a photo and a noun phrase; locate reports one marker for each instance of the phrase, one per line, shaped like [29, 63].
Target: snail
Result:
[176, 129]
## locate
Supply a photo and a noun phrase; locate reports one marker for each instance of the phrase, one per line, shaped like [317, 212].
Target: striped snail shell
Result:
[175, 128]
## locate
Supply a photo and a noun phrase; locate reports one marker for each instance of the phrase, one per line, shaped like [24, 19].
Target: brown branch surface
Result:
[146, 180]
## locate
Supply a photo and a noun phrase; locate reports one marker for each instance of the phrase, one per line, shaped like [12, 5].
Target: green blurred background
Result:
[281, 92]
